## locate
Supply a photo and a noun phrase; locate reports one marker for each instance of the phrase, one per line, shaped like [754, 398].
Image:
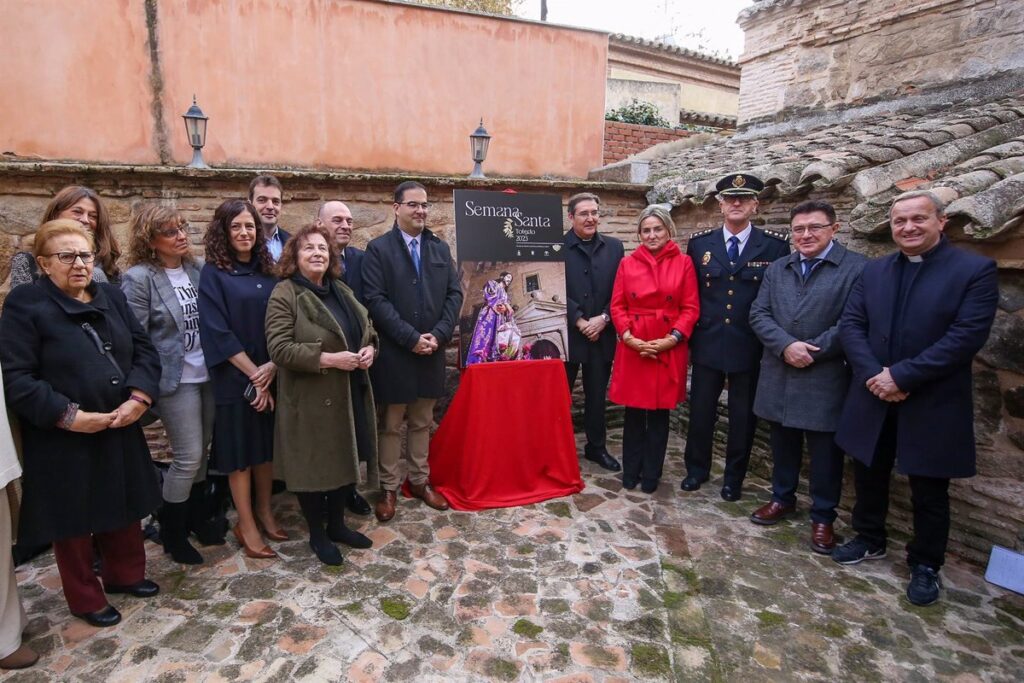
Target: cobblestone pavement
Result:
[604, 586]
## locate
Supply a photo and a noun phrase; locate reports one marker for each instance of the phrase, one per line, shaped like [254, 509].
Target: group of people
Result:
[871, 358]
[280, 352]
[261, 362]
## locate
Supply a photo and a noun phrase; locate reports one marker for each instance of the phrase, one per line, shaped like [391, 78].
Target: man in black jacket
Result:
[591, 261]
[337, 218]
[730, 263]
[413, 294]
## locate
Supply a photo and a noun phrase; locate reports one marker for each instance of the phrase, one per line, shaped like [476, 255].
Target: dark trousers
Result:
[826, 475]
[123, 564]
[929, 497]
[705, 388]
[644, 440]
[595, 397]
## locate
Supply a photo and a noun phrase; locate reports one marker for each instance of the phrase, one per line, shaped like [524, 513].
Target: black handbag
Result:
[150, 416]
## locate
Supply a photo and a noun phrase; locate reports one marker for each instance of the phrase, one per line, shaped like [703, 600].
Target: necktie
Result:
[808, 267]
[734, 249]
[414, 250]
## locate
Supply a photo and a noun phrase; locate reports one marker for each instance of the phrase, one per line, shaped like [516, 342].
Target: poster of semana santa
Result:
[509, 247]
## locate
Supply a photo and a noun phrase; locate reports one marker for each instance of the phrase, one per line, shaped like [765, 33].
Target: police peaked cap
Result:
[739, 185]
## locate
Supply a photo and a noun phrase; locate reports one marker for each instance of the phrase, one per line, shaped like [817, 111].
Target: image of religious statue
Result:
[496, 335]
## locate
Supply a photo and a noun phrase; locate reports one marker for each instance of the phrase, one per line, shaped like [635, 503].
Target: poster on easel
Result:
[512, 270]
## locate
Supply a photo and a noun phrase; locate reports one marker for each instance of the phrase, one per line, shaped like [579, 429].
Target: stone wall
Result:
[987, 509]
[622, 140]
[803, 56]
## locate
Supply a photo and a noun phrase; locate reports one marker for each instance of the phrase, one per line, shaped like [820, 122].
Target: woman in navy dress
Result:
[234, 288]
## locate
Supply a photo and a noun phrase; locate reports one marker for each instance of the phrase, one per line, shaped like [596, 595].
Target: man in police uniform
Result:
[730, 263]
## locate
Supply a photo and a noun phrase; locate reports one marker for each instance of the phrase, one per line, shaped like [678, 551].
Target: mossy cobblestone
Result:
[602, 586]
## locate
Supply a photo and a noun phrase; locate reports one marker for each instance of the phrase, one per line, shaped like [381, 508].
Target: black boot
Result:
[312, 504]
[174, 534]
[207, 503]
[336, 529]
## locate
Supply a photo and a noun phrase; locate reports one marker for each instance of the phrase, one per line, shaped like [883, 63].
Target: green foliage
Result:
[506, 7]
[525, 627]
[641, 113]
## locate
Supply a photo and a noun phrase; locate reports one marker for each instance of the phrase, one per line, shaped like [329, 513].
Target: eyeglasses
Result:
[813, 229]
[412, 206]
[588, 214]
[68, 257]
[173, 232]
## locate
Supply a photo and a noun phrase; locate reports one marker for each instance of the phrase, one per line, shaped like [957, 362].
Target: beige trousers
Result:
[419, 415]
[12, 615]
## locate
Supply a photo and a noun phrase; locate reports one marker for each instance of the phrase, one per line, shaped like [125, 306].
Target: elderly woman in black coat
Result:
[80, 372]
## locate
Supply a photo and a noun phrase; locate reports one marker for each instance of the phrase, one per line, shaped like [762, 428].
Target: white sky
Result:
[696, 24]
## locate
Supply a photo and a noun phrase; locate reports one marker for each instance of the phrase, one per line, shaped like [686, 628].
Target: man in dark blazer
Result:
[337, 218]
[910, 330]
[413, 294]
[591, 261]
[730, 263]
[266, 194]
[803, 375]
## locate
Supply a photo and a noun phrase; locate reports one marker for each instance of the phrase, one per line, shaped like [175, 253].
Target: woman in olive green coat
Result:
[322, 341]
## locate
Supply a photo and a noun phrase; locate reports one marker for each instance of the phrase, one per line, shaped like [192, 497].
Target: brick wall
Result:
[623, 140]
[809, 55]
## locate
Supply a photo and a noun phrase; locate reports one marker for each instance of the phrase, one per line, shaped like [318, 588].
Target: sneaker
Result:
[924, 585]
[857, 551]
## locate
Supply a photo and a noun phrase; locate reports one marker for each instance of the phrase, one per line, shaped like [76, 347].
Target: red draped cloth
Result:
[507, 438]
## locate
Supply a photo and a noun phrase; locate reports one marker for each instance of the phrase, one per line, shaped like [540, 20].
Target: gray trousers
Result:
[187, 415]
[12, 615]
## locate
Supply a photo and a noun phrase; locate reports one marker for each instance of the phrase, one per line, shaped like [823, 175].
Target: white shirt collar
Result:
[409, 238]
[742, 236]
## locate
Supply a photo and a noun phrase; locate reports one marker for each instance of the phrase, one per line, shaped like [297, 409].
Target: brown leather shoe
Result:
[429, 496]
[22, 658]
[823, 540]
[771, 513]
[385, 507]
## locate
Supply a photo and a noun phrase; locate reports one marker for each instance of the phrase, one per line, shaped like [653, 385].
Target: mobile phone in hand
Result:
[250, 392]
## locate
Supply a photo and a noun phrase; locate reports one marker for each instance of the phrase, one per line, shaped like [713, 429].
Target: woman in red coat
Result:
[654, 308]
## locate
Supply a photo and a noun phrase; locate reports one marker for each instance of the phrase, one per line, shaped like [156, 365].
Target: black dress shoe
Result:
[649, 485]
[357, 504]
[690, 484]
[629, 484]
[604, 459]
[108, 616]
[142, 589]
[731, 493]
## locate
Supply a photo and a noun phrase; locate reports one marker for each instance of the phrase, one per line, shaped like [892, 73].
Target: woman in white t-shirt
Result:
[162, 287]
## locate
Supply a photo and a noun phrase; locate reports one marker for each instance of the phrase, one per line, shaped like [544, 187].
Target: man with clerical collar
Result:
[803, 376]
[337, 218]
[591, 261]
[265, 194]
[731, 263]
[910, 330]
[412, 291]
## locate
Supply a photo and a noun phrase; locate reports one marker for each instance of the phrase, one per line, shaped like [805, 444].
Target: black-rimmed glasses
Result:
[68, 257]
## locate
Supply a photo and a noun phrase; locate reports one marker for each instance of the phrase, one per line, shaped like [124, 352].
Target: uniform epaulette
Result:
[701, 233]
[777, 235]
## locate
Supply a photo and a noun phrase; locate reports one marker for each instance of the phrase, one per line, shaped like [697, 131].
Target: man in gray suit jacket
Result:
[804, 376]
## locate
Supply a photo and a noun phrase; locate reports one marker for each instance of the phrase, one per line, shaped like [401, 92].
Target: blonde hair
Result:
[58, 228]
[661, 214]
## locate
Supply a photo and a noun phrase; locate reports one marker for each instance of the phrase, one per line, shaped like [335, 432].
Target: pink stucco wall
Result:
[353, 84]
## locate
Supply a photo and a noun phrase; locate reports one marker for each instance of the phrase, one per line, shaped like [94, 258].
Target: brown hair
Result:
[58, 228]
[582, 197]
[107, 251]
[288, 264]
[264, 181]
[217, 239]
[146, 220]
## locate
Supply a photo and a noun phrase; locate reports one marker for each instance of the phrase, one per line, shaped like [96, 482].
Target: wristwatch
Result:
[607, 318]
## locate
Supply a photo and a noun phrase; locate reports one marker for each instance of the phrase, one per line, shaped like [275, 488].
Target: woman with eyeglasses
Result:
[80, 204]
[234, 290]
[162, 290]
[79, 372]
